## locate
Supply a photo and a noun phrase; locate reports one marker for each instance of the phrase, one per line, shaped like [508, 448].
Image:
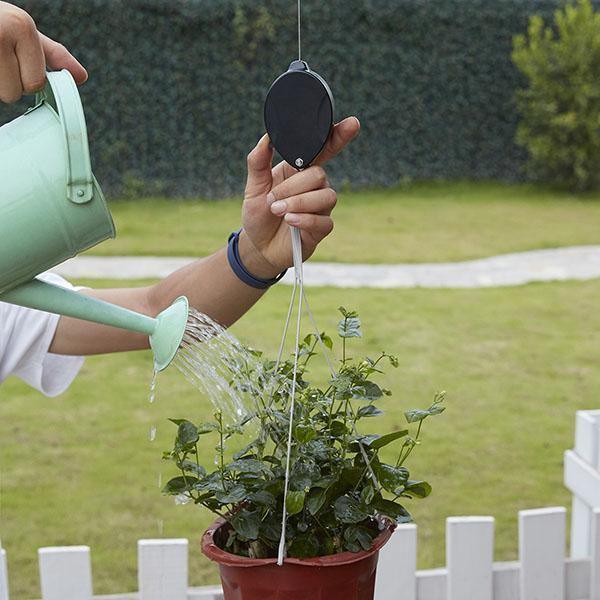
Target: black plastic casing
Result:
[299, 114]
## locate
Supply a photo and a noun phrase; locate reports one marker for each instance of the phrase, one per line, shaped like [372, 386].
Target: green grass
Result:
[431, 222]
[517, 363]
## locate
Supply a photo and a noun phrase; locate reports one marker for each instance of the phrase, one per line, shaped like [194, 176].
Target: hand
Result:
[279, 197]
[25, 53]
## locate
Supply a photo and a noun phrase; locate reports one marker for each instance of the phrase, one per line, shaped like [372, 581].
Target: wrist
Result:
[254, 261]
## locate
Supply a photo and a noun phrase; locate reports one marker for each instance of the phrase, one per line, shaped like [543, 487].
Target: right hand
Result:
[25, 54]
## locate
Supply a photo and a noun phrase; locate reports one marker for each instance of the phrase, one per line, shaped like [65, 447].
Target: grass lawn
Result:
[517, 363]
[430, 222]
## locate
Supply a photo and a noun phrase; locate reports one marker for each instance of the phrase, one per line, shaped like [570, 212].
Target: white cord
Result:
[299, 282]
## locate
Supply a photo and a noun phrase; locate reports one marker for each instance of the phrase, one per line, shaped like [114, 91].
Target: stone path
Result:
[576, 263]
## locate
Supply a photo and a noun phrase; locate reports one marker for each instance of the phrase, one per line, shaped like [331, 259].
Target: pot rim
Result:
[216, 554]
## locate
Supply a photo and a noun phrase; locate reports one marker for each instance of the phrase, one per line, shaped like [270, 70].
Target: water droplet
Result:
[152, 433]
[182, 499]
[160, 525]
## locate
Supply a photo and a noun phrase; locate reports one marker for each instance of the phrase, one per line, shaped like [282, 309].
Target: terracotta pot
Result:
[345, 576]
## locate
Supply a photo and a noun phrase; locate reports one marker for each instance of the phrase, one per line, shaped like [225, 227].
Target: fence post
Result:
[542, 553]
[396, 572]
[65, 573]
[469, 557]
[3, 575]
[586, 448]
[163, 569]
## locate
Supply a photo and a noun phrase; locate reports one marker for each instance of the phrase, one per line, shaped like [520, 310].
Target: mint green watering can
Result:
[52, 208]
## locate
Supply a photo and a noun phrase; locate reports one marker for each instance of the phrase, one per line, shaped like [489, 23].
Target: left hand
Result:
[278, 197]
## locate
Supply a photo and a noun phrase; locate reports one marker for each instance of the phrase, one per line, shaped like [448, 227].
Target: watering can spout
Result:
[165, 331]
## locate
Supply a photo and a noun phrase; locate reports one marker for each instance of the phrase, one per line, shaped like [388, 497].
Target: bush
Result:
[176, 88]
[561, 105]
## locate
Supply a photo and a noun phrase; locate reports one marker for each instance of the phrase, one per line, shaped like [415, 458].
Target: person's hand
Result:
[280, 197]
[25, 53]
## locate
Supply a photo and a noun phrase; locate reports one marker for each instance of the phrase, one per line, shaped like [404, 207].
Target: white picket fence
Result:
[541, 573]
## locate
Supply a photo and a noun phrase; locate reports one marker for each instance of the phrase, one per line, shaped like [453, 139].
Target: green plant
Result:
[561, 105]
[340, 488]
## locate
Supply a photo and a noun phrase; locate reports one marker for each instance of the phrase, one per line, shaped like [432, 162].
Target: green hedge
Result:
[174, 100]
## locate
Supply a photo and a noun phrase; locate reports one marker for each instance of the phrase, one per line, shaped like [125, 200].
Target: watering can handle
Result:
[80, 187]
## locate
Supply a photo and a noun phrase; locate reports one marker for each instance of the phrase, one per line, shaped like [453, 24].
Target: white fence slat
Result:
[542, 553]
[506, 580]
[586, 435]
[595, 556]
[3, 575]
[431, 584]
[577, 578]
[65, 573]
[163, 569]
[587, 448]
[582, 479]
[469, 557]
[581, 517]
[396, 579]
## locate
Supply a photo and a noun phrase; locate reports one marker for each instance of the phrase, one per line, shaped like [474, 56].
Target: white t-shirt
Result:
[25, 337]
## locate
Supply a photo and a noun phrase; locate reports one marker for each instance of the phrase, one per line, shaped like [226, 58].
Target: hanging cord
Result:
[299, 29]
[298, 283]
[298, 291]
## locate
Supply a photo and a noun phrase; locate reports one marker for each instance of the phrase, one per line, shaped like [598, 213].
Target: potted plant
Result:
[343, 500]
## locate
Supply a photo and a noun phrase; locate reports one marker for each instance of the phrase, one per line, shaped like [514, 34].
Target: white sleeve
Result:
[25, 338]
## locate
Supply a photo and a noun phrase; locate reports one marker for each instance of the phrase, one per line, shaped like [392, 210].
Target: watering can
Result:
[52, 208]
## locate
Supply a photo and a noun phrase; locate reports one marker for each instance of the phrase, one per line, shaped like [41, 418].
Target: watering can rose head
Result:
[344, 484]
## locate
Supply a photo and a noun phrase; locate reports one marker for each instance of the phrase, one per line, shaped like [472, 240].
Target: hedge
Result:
[174, 100]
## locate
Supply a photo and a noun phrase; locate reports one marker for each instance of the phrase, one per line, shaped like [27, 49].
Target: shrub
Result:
[561, 104]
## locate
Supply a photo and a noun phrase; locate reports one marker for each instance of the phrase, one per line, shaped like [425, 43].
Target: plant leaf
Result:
[235, 494]
[418, 489]
[369, 411]
[348, 510]
[388, 438]
[246, 523]
[316, 499]
[295, 502]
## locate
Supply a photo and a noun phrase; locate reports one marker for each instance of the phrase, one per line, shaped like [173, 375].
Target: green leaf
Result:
[263, 498]
[418, 489]
[348, 510]
[233, 495]
[338, 429]
[390, 478]
[187, 433]
[246, 523]
[191, 467]
[349, 326]
[360, 536]
[415, 415]
[304, 546]
[295, 502]
[393, 510]
[304, 432]
[247, 465]
[369, 411]
[388, 438]
[368, 391]
[303, 474]
[366, 495]
[178, 485]
[316, 499]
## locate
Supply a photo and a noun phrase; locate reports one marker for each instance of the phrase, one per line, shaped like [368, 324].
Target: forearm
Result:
[209, 284]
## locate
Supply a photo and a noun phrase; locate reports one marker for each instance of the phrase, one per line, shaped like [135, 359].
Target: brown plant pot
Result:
[344, 576]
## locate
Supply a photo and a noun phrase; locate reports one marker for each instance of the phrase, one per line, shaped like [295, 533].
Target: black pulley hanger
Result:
[299, 111]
